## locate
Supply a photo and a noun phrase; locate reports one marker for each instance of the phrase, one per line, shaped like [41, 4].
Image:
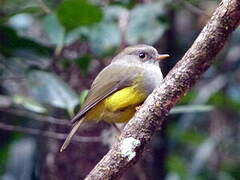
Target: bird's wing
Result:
[113, 78]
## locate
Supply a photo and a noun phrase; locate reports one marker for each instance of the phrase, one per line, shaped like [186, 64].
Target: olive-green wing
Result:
[111, 79]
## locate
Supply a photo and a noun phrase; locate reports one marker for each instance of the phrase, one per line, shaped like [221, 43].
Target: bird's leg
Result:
[115, 126]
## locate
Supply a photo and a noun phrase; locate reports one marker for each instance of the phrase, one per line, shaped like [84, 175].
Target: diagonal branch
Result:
[182, 77]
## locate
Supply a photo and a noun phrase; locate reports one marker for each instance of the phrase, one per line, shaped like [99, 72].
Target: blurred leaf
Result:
[29, 104]
[83, 63]
[54, 30]
[29, 9]
[191, 109]
[191, 137]
[13, 45]
[8, 7]
[48, 88]
[232, 168]
[225, 176]
[72, 36]
[21, 21]
[172, 176]
[65, 63]
[176, 164]
[83, 96]
[75, 13]
[189, 97]
[23, 150]
[4, 150]
[4, 155]
[144, 25]
[32, 9]
[219, 99]
[112, 13]
[105, 35]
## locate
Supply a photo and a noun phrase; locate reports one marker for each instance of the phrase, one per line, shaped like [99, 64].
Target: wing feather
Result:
[111, 79]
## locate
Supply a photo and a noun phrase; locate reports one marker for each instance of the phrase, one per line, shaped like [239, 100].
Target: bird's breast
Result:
[151, 78]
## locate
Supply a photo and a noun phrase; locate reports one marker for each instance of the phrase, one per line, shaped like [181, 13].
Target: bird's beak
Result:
[162, 56]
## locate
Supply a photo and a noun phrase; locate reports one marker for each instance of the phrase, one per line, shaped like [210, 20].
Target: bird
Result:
[120, 87]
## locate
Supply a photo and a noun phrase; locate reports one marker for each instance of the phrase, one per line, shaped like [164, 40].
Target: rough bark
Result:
[180, 79]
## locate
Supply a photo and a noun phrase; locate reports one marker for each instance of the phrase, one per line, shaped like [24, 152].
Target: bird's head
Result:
[140, 54]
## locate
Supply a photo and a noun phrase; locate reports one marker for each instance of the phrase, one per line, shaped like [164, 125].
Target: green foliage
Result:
[48, 88]
[105, 35]
[5, 148]
[189, 97]
[13, 45]
[54, 30]
[222, 101]
[29, 104]
[144, 22]
[83, 63]
[176, 164]
[75, 13]
[4, 152]
[191, 137]
[232, 169]
[83, 96]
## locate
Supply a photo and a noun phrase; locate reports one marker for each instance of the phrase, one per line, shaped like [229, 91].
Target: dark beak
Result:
[162, 56]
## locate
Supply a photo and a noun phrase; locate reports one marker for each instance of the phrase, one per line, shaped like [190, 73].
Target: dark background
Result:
[50, 51]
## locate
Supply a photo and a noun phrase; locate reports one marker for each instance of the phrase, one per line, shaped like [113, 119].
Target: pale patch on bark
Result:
[128, 146]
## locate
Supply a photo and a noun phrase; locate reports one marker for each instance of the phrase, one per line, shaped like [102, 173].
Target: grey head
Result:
[139, 53]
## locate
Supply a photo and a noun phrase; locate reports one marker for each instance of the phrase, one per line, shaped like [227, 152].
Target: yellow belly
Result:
[117, 108]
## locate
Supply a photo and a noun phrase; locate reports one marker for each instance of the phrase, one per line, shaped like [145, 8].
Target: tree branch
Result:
[48, 134]
[181, 78]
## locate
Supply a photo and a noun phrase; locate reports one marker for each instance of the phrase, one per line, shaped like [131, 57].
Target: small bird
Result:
[120, 87]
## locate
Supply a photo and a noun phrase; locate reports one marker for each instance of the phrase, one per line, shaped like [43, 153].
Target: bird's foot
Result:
[138, 107]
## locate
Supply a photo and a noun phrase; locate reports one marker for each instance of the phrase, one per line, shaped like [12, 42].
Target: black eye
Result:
[142, 55]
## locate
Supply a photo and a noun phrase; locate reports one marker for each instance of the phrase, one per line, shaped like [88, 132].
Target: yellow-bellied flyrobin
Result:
[120, 87]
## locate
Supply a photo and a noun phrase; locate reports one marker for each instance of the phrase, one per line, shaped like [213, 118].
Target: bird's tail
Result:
[71, 134]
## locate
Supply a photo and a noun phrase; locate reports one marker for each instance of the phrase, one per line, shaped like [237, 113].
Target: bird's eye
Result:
[142, 55]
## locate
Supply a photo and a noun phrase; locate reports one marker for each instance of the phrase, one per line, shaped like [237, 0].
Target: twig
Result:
[194, 9]
[37, 117]
[122, 24]
[14, 78]
[44, 6]
[138, 132]
[48, 134]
